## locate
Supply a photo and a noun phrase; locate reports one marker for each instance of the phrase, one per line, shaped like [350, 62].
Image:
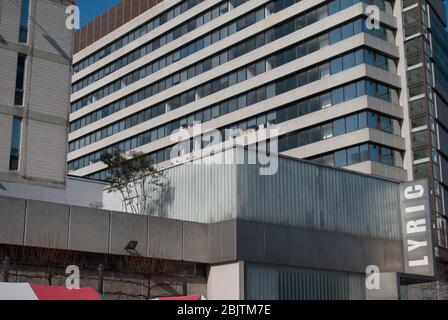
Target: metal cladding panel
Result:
[197, 193]
[318, 197]
[300, 194]
[281, 283]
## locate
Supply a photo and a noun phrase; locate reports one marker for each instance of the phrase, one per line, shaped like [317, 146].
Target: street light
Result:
[130, 247]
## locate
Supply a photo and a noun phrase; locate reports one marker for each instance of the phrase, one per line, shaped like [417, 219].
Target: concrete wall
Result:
[52, 225]
[226, 282]
[46, 92]
[43, 224]
[78, 192]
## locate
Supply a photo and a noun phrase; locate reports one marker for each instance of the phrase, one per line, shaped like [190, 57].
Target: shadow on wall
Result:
[55, 45]
[161, 200]
[52, 41]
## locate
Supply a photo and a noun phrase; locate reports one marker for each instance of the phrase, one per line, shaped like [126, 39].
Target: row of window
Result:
[207, 64]
[360, 153]
[347, 124]
[291, 111]
[155, 44]
[170, 58]
[190, 96]
[341, 158]
[277, 32]
[135, 34]
[203, 66]
[335, 65]
[160, 63]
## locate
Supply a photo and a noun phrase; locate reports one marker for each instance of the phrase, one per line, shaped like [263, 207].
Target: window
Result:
[315, 134]
[349, 61]
[374, 152]
[20, 80]
[333, 7]
[364, 152]
[325, 100]
[387, 156]
[327, 131]
[15, 144]
[362, 120]
[349, 92]
[335, 36]
[351, 123]
[304, 137]
[339, 126]
[24, 14]
[337, 96]
[336, 65]
[347, 31]
[323, 41]
[386, 124]
[353, 155]
[340, 158]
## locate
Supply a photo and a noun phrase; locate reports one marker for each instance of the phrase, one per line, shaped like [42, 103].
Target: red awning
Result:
[195, 297]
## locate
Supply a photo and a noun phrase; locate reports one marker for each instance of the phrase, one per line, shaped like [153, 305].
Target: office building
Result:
[35, 51]
[340, 92]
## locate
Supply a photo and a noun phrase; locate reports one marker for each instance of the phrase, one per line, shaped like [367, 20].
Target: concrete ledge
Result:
[12, 220]
[47, 225]
[43, 224]
[89, 230]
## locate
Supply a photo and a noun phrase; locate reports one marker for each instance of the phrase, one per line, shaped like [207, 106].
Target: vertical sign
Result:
[417, 228]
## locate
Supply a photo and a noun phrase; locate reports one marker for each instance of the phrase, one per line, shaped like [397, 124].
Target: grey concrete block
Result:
[388, 289]
[12, 220]
[222, 238]
[165, 238]
[250, 241]
[393, 256]
[89, 230]
[373, 253]
[351, 257]
[278, 244]
[47, 225]
[330, 250]
[196, 242]
[126, 227]
[216, 242]
[304, 248]
[229, 241]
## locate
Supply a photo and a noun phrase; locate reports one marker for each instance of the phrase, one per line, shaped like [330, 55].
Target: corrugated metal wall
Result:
[197, 193]
[300, 194]
[273, 282]
[318, 197]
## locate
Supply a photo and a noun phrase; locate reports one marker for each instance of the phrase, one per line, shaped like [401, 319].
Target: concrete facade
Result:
[81, 230]
[392, 77]
[44, 111]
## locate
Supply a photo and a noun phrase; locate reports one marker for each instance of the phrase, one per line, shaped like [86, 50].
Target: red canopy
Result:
[195, 297]
[62, 293]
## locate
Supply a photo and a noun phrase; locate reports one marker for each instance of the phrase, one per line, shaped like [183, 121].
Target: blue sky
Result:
[91, 8]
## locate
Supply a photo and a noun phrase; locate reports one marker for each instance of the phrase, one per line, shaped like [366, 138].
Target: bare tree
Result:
[134, 177]
[150, 267]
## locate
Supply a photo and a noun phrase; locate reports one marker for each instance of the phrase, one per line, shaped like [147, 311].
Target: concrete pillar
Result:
[226, 282]
[389, 288]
